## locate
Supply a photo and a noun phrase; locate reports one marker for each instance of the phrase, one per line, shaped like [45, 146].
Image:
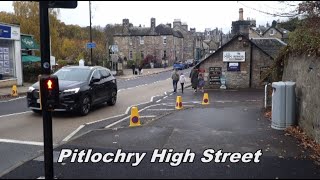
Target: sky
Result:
[197, 14]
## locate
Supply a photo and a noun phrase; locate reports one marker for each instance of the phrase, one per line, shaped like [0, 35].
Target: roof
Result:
[281, 30]
[159, 30]
[271, 46]
[261, 43]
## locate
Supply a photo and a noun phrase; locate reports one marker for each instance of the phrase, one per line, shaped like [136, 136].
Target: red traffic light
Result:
[49, 84]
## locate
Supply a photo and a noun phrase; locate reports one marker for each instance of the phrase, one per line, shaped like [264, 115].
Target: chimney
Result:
[125, 22]
[185, 26]
[240, 14]
[192, 30]
[169, 24]
[153, 22]
[176, 22]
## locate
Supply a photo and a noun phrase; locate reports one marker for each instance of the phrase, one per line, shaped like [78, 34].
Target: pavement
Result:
[232, 122]
[5, 92]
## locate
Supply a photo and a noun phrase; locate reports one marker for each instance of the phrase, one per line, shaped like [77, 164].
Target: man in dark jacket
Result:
[133, 68]
[194, 79]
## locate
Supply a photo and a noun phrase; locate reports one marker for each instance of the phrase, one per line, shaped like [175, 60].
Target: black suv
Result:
[80, 88]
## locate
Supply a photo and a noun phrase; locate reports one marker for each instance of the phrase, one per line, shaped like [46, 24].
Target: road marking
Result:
[15, 114]
[72, 134]
[160, 109]
[112, 124]
[21, 142]
[158, 100]
[13, 99]
[165, 97]
[150, 116]
[104, 119]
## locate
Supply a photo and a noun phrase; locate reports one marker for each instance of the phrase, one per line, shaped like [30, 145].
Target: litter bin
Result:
[278, 105]
[290, 103]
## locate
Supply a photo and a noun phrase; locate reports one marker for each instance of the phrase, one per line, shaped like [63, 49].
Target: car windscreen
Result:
[73, 74]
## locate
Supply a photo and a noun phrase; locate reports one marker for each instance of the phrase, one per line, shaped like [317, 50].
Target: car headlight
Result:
[31, 89]
[74, 90]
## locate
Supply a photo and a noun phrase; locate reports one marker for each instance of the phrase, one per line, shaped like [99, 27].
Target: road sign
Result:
[91, 45]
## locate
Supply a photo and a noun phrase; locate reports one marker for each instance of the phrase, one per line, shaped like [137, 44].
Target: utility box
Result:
[290, 103]
[283, 105]
[278, 105]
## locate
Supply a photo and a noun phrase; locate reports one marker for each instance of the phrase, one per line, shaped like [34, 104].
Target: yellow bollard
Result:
[14, 91]
[205, 100]
[179, 102]
[134, 117]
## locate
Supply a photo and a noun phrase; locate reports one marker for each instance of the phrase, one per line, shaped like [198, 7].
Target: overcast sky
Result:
[197, 14]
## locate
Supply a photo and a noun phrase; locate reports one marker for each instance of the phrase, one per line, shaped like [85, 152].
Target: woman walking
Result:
[194, 79]
[182, 80]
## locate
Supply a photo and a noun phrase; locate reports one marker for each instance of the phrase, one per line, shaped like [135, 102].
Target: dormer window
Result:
[271, 32]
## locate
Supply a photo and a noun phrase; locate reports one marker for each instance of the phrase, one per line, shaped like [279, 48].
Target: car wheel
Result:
[37, 111]
[85, 105]
[113, 98]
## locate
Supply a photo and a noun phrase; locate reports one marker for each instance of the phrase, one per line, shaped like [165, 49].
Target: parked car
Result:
[81, 87]
[179, 65]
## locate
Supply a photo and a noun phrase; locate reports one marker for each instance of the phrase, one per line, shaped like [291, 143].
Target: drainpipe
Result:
[250, 75]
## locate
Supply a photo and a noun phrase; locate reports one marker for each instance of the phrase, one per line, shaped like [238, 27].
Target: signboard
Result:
[15, 33]
[114, 58]
[114, 48]
[91, 45]
[234, 56]
[5, 31]
[215, 75]
[233, 66]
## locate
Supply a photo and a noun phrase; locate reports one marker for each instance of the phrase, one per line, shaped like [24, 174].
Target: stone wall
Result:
[305, 71]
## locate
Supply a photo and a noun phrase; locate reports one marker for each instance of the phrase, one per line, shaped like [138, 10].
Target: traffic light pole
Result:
[45, 69]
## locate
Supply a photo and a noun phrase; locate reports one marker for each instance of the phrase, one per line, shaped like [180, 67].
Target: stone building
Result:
[242, 61]
[275, 32]
[162, 42]
[188, 39]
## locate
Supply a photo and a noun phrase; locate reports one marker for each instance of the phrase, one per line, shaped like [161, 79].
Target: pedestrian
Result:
[182, 81]
[140, 69]
[201, 82]
[175, 78]
[194, 79]
[133, 68]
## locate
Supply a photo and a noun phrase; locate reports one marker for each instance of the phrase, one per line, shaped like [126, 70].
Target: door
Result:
[105, 78]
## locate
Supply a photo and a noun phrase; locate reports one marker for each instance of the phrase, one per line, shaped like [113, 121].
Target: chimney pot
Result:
[240, 14]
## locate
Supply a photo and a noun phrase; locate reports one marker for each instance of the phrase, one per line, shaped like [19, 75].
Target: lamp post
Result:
[90, 33]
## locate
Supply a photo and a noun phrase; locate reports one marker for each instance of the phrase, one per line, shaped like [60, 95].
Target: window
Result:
[104, 73]
[164, 54]
[142, 55]
[164, 39]
[130, 41]
[141, 40]
[271, 32]
[130, 55]
[96, 75]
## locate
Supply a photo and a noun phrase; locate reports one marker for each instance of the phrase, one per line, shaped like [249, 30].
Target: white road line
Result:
[15, 114]
[21, 142]
[150, 116]
[160, 109]
[158, 100]
[13, 99]
[72, 134]
[104, 119]
[165, 97]
[112, 124]
[165, 93]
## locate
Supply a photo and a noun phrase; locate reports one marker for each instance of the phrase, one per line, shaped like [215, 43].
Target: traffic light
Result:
[49, 92]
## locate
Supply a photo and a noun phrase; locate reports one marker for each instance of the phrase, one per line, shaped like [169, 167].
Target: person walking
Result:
[175, 78]
[133, 68]
[194, 79]
[140, 69]
[201, 82]
[182, 80]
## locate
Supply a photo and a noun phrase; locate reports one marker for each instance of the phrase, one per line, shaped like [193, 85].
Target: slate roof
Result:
[161, 29]
[271, 46]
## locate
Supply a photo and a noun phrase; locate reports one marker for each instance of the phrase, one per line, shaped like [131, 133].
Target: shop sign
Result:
[234, 56]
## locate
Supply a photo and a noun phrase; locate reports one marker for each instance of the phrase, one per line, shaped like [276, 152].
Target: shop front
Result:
[10, 55]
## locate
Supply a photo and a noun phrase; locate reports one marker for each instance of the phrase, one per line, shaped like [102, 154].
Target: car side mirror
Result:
[93, 80]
